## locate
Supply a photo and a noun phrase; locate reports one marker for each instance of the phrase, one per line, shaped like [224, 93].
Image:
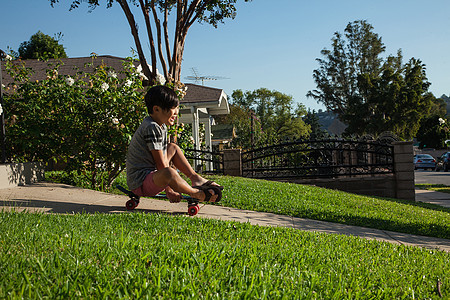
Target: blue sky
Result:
[270, 44]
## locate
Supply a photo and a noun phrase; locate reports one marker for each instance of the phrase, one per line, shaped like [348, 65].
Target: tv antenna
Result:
[196, 77]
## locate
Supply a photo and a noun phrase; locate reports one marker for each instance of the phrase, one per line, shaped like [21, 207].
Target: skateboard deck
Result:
[131, 204]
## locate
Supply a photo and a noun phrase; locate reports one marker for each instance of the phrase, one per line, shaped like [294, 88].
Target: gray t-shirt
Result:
[149, 136]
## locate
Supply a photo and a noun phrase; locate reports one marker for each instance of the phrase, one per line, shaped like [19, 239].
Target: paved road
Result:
[425, 176]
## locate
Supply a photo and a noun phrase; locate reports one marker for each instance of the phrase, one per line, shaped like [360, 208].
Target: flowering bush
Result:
[85, 122]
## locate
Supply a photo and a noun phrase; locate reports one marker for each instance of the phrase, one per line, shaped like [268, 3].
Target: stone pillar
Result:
[232, 162]
[404, 170]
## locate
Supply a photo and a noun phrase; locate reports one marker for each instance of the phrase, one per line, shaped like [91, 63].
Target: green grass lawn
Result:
[152, 256]
[334, 206]
[137, 255]
[434, 187]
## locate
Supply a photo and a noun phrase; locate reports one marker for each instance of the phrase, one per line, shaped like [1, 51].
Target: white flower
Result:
[70, 81]
[115, 121]
[1, 109]
[141, 74]
[112, 74]
[160, 78]
[104, 86]
[128, 83]
[8, 57]
[441, 121]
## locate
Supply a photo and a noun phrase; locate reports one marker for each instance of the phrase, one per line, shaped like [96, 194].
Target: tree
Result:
[433, 132]
[367, 92]
[312, 120]
[155, 14]
[42, 46]
[434, 129]
[265, 116]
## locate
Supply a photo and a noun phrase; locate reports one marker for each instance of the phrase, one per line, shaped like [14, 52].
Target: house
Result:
[222, 134]
[199, 105]
[329, 122]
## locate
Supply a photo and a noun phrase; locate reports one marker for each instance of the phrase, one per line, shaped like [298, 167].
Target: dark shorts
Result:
[148, 187]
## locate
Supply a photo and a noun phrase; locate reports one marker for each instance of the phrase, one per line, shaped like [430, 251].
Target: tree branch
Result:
[145, 12]
[134, 32]
[175, 54]
[160, 51]
[191, 12]
[166, 35]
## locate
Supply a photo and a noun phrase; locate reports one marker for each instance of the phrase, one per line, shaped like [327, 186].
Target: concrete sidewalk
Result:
[60, 198]
[441, 199]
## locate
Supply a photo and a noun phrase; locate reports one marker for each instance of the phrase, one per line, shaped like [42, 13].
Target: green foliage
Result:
[152, 256]
[85, 122]
[371, 94]
[433, 132]
[41, 46]
[312, 120]
[268, 116]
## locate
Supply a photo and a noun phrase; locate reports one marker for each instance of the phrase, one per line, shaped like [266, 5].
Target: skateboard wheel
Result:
[193, 210]
[131, 204]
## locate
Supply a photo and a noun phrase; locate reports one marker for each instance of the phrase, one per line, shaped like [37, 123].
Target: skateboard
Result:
[131, 204]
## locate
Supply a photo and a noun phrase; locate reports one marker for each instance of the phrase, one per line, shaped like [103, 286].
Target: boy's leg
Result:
[176, 156]
[170, 177]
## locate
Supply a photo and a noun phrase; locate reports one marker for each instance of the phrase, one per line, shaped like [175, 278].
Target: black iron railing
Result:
[318, 159]
[203, 161]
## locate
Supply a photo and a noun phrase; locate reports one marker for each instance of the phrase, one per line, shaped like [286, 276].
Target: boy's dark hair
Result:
[161, 96]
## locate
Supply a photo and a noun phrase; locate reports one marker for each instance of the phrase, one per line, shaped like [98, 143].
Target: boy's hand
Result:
[173, 196]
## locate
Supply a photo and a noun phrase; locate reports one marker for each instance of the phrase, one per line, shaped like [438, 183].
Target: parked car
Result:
[443, 162]
[424, 161]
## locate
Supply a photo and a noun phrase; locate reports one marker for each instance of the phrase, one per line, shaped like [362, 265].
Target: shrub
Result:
[85, 122]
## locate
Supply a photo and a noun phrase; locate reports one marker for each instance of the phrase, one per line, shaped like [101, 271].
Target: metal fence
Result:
[204, 161]
[319, 159]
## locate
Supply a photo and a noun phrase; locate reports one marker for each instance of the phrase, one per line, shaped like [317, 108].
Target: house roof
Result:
[200, 93]
[209, 100]
[68, 66]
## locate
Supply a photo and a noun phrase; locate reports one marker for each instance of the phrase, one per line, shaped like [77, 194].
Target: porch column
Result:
[195, 127]
[195, 133]
[209, 164]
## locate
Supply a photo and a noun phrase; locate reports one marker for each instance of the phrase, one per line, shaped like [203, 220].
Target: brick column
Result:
[404, 170]
[232, 162]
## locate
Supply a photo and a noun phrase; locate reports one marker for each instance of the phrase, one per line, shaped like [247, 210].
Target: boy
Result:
[149, 155]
